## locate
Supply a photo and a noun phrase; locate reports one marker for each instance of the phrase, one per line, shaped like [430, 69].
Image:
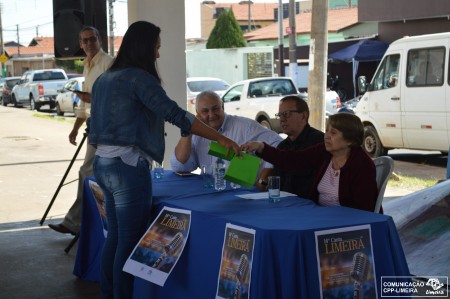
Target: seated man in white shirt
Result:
[192, 151]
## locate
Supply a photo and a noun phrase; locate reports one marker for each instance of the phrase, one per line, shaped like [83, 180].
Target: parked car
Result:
[66, 100]
[38, 88]
[350, 105]
[5, 89]
[195, 85]
[332, 101]
[259, 99]
[72, 75]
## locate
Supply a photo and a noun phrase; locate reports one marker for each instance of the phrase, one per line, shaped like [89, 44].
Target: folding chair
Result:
[384, 166]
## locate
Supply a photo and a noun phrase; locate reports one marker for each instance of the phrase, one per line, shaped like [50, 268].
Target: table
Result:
[284, 258]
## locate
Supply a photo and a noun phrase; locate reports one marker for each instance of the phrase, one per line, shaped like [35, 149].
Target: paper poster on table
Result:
[159, 249]
[101, 204]
[345, 263]
[236, 264]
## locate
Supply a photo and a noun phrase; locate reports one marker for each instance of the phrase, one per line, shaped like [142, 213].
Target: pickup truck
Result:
[38, 88]
[259, 99]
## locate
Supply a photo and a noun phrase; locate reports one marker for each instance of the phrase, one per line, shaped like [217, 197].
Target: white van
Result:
[407, 104]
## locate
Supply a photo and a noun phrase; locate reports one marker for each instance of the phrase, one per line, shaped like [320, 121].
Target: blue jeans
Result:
[128, 196]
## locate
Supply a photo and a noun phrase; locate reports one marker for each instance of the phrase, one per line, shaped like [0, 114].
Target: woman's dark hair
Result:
[350, 125]
[138, 48]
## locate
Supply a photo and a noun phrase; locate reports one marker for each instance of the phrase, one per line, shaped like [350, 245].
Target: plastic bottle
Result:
[219, 173]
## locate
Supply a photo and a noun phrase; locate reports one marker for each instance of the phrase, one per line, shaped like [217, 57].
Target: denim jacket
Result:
[129, 107]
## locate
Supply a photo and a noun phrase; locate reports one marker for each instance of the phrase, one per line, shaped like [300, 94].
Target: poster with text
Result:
[345, 263]
[236, 264]
[101, 204]
[159, 249]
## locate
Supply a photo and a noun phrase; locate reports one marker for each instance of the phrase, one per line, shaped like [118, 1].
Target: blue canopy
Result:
[364, 50]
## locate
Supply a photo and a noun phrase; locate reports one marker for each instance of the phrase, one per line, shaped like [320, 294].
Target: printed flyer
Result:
[101, 204]
[236, 265]
[159, 249]
[345, 263]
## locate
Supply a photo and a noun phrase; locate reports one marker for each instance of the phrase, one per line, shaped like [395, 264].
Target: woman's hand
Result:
[229, 144]
[253, 146]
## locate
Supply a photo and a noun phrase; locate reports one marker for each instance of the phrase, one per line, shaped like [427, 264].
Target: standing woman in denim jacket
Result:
[128, 111]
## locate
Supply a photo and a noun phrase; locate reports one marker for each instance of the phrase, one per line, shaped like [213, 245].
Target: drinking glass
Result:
[273, 186]
[207, 176]
[158, 170]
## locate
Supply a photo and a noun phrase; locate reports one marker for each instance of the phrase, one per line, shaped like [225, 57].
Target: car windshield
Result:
[11, 83]
[49, 76]
[271, 87]
[214, 85]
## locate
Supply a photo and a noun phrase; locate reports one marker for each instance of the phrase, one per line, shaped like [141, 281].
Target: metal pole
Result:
[1, 37]
[249, 17]
[293, 68]
[111, 27]
[63, 179]
[281, 72]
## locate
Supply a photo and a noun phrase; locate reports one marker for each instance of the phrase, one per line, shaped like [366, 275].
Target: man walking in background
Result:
[95, 63]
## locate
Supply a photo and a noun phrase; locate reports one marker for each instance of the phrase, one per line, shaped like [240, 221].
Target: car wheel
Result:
[372, 143]
[265, 123]
[58, 110]
[14, 101]
[33, 104]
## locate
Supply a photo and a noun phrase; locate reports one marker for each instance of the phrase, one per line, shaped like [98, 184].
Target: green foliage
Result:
[70, 66]
[226, 33]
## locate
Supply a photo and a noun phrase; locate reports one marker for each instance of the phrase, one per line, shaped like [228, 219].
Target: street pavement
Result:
[34, 155]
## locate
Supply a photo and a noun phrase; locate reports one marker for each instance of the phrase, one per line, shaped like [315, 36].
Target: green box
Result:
[243, 171]
[217, 150]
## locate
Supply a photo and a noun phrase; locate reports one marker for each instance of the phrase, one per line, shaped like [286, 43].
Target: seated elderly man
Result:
[294, 114]
[192, 151]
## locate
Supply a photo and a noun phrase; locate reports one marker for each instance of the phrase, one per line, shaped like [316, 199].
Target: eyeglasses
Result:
[91, 39]
[286, 114]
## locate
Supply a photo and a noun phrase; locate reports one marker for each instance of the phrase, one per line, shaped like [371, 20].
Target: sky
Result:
[35, 17]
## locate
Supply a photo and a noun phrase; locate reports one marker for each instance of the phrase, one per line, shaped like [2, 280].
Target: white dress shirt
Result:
[237, 128]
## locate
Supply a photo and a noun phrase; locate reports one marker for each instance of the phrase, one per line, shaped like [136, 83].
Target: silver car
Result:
[66, 100]
[195, 85]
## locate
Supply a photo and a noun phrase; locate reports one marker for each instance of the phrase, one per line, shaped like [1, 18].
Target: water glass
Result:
[158, 170]
[207, 176]
[234, 185]
[273, 186]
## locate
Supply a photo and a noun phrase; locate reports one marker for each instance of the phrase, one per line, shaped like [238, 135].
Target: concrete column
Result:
[169, 16]
[318, 55]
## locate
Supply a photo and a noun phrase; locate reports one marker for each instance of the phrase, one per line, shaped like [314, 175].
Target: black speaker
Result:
[69, 17]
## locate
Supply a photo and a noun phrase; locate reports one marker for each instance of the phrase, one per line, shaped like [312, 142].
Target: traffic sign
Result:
[3, 58]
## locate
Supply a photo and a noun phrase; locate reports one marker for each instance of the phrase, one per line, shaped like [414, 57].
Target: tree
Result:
[226, 33]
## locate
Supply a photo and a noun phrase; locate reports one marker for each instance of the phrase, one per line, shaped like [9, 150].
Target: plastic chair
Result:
[384, 167]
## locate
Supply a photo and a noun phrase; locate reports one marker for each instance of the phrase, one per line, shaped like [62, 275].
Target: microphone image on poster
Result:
[158, 251]
[236, 264]
[345, 263]
[241, 275]
[360, 267]
[169, 249]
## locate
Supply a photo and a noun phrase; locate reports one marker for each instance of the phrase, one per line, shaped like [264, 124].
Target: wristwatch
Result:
[262, 182]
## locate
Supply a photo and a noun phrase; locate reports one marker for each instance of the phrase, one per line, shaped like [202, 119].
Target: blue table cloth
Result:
[284, 258]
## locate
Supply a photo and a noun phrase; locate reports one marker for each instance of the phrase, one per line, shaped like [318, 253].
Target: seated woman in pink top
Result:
[343, 173]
